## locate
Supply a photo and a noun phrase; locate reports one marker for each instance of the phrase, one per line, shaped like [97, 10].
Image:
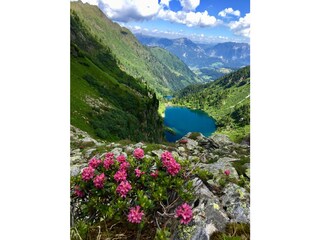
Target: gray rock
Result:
[181, 149]
[88, 153]
[221, 139]
[157, 153]
[76, 169]
[236, 200]
[88, 142]
[191, 144]
[129, 150]
[117, 152]
[76, 159]
[138, 145]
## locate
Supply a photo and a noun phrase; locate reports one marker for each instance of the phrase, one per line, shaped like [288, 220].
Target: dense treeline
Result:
[105, 100]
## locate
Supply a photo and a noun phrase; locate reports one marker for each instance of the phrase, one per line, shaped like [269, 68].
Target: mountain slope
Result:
[106, 102]
[228, 54]
[183, 74]
[226, 99]
[133, 58]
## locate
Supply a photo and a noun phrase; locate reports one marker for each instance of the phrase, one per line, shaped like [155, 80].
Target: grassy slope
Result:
[134, 58]
[179, 68]
[226, 99]
[105, 101]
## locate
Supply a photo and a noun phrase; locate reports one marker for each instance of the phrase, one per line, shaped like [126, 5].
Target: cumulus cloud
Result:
[189, 5]
[229, 11]
[138, 10]
[242, 26]
[165, 2]
[129, 10]
[191, 19]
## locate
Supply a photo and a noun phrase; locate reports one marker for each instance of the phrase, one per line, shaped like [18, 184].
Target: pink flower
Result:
[94, 162]
[124, 166]
[166, 157]
[123, 188]
[135, 215]
[173, 168]
[120, 175]
[138, 172]
[87, 173]
[121, 158]
[227, 172]
[154, 174]
[99, 180]
[170, 163]
[108, 163]
[138, 153]
[78, 192]
[185, 212]
[109, 155]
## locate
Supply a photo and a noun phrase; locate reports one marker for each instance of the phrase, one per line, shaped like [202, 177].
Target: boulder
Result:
[236, 201]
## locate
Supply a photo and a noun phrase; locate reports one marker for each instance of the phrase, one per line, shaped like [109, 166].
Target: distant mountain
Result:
[132, 57]
[226, 99]
[228, 54]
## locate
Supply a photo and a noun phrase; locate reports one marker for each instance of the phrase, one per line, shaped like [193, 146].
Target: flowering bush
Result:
[133, 189]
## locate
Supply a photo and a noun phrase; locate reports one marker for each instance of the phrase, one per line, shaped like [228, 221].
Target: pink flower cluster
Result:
[138, 153]
[124, 166]
[99, 181]
[120, 175]
[170, 163]
[185, 212]
[78, 192]
[135, 215]
[87, 173]
[123, 188]
[108, 162]
[94, 162]
[138, 172]
[227, 172]
[121, 158]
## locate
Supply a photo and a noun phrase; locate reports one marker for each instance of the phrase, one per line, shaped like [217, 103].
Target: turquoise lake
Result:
[183, 120]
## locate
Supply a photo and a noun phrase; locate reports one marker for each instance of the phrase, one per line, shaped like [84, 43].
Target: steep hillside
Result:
[226, 99]
[179, 68]
[106, 102]
[133, 58]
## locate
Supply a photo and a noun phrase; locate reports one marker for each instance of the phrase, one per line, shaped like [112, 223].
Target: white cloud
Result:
[129, 10]
[189, 5]
[191, 19]
[138, 10]
[165, 2]
[229, 11]
[242, 26]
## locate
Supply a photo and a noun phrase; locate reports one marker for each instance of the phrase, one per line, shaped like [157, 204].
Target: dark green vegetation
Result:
[106, 102]
[132, 57]
[227, 100]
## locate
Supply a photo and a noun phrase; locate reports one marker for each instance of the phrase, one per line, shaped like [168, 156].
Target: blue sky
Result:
[200, 20]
